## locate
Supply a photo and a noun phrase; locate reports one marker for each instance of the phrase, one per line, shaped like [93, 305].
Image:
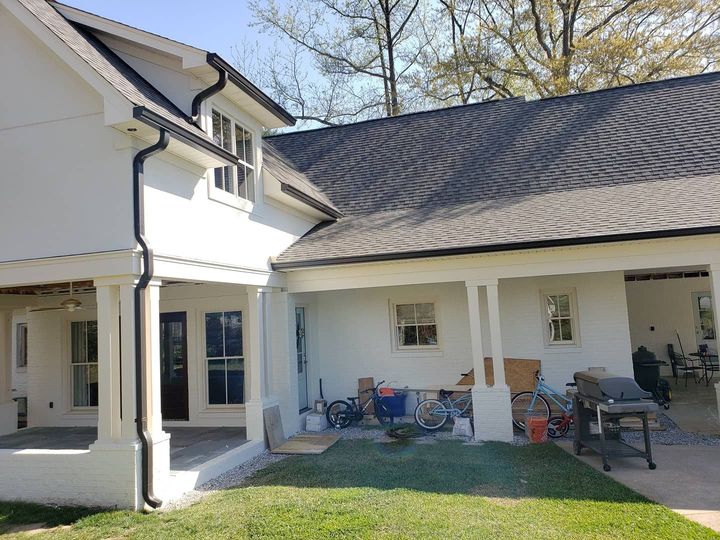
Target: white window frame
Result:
[395, 338]
[573, 318]
[72, 365]
[218, 194]
[205, 365]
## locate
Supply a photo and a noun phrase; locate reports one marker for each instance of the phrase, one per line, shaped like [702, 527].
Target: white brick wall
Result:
[99, 477]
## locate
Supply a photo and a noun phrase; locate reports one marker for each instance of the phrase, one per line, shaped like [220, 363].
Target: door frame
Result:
[305, 359]
[711, 343]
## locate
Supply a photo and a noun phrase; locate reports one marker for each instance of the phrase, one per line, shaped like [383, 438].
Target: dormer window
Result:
[232, 136]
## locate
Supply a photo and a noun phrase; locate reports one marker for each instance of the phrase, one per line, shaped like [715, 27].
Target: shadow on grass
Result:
[14, 513]
[491, 470]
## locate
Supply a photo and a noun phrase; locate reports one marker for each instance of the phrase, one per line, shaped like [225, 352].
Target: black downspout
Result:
[209, 91]
[140, 322]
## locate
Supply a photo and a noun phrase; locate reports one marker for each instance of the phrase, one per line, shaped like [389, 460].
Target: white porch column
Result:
[476, 343]
[8, 407]
[128, 427]
[257, 363]
[108, 317]
[491, 404]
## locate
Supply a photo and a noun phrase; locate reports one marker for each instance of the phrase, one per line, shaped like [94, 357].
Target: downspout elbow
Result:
[207, 93]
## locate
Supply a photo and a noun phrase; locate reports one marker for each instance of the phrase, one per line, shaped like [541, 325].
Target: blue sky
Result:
[213, 25]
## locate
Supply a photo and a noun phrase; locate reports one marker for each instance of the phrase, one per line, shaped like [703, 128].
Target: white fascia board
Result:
[117, 107]
[171, 267]
[191, 56]
[620, 256]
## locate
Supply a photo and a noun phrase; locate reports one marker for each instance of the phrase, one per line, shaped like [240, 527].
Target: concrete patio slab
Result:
[687, 478]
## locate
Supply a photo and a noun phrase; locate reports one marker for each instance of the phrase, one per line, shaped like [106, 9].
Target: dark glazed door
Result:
[173, 366]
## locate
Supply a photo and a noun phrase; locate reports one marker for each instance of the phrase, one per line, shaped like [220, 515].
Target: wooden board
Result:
[366, 383]
[519, 374]
[307, 444]
[273, 427]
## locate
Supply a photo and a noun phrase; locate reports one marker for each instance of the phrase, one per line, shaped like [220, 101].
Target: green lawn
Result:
[364, 489]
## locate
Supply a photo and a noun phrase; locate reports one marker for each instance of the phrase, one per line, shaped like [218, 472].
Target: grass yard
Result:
[365, 489]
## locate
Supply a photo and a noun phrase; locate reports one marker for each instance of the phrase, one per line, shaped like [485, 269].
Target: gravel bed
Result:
[672, 435]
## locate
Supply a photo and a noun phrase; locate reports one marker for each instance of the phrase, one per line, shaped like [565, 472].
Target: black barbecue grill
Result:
[605, 398]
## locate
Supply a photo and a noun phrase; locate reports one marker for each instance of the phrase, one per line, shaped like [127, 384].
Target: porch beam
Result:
[108, 317]
[476, 343]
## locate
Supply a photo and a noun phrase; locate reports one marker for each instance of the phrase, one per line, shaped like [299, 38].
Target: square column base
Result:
[255, 418]
[8, 417]
[492, 414]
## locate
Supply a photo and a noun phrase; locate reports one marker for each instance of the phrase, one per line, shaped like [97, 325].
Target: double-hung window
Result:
[238, 180]
[561, 326]
[84, 363]
[224, 357]
[415, 326]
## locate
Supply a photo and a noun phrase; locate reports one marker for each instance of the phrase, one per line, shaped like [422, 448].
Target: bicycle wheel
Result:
[431, 414]
[383, 412]
[339, 414]
[522, 405]
[558, 427]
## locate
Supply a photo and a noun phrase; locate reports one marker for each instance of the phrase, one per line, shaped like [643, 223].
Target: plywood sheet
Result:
[307, 444]
[519, 374]
[273, 427]
[366, 383]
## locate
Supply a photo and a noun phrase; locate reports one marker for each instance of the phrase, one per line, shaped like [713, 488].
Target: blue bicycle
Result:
[536, 404]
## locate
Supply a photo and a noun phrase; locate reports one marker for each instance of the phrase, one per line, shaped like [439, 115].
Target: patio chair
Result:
[709, 363]
[681, 364]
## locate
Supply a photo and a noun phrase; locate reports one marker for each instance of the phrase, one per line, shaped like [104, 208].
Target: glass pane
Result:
[551, 302]
[235, 381]
[427, 334]
[227, 134]
[555, 334]
[566, 329]
[92, 341]
[92, 385]
[216, 133]
[216, 382]
[405, 313]
[242, 182]
[408, 336]
[249, 158]
[563, 305]
[233, 333]
[250, 183]
[704, 302]
[228, 179]
[77, 338]
[21, 345]
[425, 313]
[213, 335]
[80, 386]
[219, 177]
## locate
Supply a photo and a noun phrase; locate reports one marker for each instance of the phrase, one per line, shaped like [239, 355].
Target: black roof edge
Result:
[249, 88]
[470, 250]
[188, 137]
[313, 203]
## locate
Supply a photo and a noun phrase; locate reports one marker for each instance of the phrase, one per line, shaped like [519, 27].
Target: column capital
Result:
[481, 282]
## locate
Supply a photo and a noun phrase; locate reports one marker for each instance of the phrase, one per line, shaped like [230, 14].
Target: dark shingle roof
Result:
[636, 160]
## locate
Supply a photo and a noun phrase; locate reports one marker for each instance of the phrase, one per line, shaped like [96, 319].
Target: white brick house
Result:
[401, 255]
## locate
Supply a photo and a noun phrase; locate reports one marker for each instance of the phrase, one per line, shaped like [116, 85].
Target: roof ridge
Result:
[398, 117]
[513, 99]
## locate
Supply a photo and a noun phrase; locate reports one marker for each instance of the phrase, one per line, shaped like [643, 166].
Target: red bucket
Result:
[536, 429]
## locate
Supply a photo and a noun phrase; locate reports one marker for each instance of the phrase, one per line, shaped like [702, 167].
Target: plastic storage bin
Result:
[396, 403]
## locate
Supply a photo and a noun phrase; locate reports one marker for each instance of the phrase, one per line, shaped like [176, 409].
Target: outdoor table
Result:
[706, 359]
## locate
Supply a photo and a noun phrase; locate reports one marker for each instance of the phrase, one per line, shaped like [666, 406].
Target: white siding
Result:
[351, 337]
[667, 305]
[64, 186]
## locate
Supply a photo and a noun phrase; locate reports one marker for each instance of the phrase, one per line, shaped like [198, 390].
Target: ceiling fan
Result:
[69, 304]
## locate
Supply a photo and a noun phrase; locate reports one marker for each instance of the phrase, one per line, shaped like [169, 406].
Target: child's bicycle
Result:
[432, 414]
[340, 414]
[536, 404]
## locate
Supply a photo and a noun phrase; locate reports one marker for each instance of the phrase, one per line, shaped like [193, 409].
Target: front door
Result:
[173, 366]
[301, 357]
[704, 320]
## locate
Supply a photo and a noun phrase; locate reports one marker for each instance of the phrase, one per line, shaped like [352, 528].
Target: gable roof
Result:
[639, 161]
